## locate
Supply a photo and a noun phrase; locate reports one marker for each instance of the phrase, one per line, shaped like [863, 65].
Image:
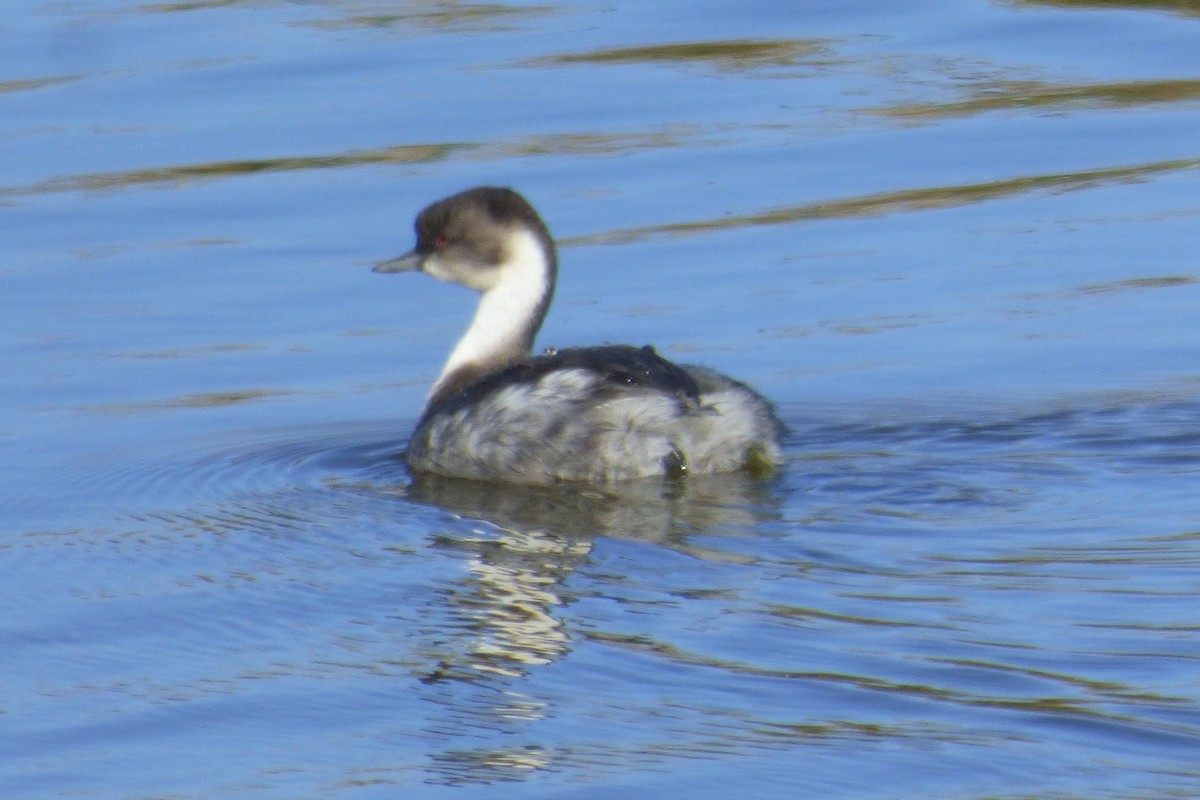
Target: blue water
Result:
[954, 243]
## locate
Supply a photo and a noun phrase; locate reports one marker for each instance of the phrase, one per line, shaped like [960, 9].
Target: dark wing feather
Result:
[618, 365]
[623, 365]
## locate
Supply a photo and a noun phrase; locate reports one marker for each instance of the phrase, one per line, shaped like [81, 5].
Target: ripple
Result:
[910, 580]
[899, 201]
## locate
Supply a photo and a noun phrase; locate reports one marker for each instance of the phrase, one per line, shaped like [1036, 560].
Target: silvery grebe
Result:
[606, 413]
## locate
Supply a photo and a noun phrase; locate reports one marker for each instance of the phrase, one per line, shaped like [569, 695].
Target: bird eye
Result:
[440, 242]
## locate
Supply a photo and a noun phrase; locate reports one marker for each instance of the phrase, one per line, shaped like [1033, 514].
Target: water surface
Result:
[952, 241]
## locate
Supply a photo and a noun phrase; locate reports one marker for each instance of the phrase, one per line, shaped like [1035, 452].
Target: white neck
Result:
[508, 315]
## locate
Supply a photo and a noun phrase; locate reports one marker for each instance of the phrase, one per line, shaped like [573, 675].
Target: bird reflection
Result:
[524, 541]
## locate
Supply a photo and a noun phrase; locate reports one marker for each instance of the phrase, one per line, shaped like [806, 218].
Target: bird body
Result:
[594, 414]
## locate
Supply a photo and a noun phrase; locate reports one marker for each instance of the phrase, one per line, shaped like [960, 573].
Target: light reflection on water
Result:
[219, 580]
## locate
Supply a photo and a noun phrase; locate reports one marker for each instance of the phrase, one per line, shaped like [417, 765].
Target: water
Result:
[953, 241]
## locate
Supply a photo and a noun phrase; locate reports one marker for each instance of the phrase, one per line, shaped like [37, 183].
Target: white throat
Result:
[504, 324]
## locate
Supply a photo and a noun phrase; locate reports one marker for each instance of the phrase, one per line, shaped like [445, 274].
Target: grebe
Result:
[600, 414]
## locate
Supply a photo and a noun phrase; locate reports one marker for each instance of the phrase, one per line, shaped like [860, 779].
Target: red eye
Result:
[440, 242]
